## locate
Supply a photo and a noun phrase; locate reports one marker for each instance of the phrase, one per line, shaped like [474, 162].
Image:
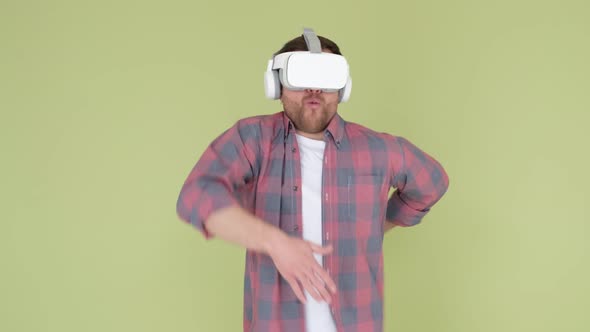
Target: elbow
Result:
[181, 210]
[184, 203]
[442, 184]
[445, 180]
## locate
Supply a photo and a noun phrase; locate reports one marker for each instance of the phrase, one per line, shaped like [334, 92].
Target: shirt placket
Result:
[294, 159]
[327, 221]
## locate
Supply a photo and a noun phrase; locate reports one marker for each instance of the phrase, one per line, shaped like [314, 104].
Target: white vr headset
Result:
[311, 69]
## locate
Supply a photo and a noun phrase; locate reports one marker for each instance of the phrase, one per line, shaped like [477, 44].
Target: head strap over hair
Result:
[312, 41]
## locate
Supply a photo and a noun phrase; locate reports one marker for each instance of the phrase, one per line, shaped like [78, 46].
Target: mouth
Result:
[313, 102]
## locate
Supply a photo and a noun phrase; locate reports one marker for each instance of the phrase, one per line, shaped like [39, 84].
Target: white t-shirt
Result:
[318, 315]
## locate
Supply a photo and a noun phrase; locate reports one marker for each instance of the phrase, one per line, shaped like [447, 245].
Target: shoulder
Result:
[359, 134]
[261, 119]
[260, 126]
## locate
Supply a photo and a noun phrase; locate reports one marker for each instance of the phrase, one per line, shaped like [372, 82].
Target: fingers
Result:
[321, 250]
[296, 289]
[304, 273]
[317, 291]
[314, 289]
[327, 281]
[320, 287]
[322, 275]
[318, 283]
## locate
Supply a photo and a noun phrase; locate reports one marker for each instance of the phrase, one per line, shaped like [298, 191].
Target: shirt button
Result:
[293, 149]
[294, 188]
[296, 228]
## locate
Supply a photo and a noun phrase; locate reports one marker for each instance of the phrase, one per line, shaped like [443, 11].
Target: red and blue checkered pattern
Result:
[256, 164]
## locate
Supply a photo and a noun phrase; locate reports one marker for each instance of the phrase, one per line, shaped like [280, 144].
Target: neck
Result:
[317, 136]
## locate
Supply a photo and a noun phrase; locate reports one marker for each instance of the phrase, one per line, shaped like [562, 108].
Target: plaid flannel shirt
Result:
[255, 164]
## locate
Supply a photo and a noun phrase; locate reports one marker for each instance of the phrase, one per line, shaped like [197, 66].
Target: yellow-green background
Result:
[106, 105]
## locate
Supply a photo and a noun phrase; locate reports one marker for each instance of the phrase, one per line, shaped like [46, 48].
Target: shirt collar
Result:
[334, 131]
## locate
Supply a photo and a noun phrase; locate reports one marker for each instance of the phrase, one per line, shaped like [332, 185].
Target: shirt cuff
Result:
[199, 218]
[401, 214]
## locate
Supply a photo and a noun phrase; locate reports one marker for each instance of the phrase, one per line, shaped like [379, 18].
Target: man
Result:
[306, 193]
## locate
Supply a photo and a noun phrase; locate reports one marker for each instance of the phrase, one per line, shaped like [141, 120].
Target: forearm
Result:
[420, 182]
[238, 226]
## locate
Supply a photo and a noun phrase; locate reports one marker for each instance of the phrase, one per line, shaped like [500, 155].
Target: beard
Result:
[307, 119]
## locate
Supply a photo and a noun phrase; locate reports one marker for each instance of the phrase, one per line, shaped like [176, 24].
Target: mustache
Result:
[313, 98]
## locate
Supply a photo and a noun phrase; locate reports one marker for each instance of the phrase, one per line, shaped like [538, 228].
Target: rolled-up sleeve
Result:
[214, 182]
[420, 181]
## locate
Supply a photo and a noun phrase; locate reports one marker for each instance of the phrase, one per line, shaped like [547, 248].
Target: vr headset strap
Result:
[312, 41]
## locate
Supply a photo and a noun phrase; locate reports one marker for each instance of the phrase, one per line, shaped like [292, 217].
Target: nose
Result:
[309, 90]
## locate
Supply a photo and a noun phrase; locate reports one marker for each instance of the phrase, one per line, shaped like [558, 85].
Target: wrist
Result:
[271, 238]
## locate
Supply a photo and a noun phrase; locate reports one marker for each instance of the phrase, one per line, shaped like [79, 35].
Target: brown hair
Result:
[298, 44]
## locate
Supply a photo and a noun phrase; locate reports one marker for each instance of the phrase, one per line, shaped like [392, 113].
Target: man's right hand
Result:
[294, 259]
